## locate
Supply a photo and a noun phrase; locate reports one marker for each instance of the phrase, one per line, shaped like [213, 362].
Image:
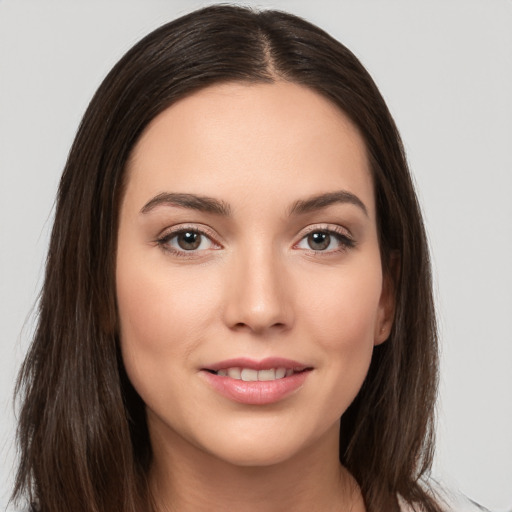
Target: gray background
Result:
[445, 69]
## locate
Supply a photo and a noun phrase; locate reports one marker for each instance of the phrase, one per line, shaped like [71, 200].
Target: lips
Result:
[256, 382]
[250, 375]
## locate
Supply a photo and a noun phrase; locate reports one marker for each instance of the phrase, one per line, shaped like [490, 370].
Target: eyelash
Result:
[344, 240]
[164, 240]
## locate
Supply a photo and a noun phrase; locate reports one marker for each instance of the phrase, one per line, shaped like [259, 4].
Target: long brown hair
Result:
[82, 433]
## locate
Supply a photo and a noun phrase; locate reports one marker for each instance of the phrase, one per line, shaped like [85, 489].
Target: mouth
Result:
[253, 375]
[256, 382]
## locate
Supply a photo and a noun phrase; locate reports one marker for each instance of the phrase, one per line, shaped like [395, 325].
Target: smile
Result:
[251, 375]
[256, 383]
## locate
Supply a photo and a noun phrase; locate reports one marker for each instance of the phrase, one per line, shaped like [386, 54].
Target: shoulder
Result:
[455, 501]
[450, 501]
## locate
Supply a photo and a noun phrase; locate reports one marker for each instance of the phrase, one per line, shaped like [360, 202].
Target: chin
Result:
[259, 447]
[256, 454]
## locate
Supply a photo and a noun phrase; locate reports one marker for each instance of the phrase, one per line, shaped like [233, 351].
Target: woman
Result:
[238, 261]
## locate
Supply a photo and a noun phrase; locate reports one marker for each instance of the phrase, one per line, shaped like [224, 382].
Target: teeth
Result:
[250, 375]
[234, 373]
[267, 374]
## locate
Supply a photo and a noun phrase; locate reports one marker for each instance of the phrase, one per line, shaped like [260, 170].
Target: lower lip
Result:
[256, 392]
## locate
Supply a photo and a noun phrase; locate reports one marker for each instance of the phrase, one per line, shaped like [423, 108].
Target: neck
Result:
[185, 478]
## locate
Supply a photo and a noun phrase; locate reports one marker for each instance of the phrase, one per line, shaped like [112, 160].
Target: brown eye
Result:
[318, 241]
[188, 240]
[327, 241]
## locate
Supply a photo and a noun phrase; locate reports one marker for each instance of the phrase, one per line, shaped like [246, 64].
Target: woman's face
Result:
[249, 281]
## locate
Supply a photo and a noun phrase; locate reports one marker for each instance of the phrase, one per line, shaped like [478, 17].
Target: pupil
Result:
[189, 240]
[321, 240]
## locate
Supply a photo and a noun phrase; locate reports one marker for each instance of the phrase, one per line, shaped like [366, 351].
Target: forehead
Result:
[234, 138]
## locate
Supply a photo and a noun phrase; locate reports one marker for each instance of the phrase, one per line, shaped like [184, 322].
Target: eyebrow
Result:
[320, 201]
[191, 201]
[211, 205]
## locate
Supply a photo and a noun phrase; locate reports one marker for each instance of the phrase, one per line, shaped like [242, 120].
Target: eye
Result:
[186, 241]
[319, 241]
[326, 240]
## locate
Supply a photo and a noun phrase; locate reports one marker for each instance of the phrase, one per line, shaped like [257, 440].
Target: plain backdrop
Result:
[445, 69]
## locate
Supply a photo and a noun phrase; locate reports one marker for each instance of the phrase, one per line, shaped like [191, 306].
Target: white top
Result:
[451, 502]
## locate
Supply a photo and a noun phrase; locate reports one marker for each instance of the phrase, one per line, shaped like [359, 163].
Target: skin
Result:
[255, 287]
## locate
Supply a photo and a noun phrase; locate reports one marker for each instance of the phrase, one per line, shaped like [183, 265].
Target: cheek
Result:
[162, 318]
[342, 307]
[341, 318]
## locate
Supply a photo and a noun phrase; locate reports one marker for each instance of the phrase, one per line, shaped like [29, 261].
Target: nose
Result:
[259, 292]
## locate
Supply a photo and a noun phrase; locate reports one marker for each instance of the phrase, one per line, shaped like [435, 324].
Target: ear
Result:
[387, 302]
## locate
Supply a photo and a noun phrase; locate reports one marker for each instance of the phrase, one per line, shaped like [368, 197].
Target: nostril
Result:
[259, 328]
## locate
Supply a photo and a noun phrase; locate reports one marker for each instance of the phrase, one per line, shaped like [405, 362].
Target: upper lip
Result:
[263, 364]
